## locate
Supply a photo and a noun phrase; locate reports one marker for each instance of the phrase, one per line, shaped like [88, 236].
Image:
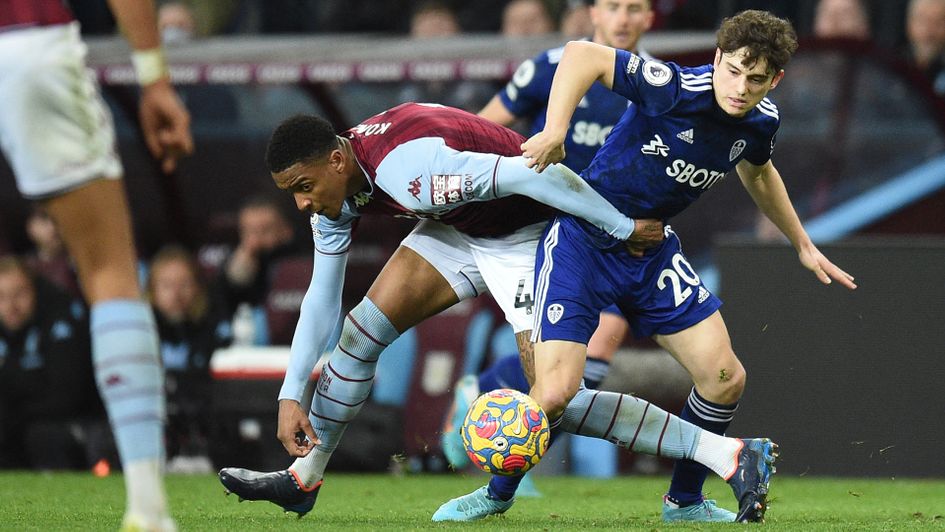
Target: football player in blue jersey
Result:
[688, 127]
[618, 24]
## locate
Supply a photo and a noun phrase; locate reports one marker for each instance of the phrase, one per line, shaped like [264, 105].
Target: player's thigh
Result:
[96, 227]
[609, 334]
[573, 283]
[429, 272]
[705, 350]
[55, 129]
[507, 266]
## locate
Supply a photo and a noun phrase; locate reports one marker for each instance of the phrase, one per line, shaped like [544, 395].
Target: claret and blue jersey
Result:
[526, 95]
[675, 142]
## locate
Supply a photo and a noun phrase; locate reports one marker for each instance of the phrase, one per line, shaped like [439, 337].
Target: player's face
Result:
[739, 88]
[319, 187]
[620, 23]
[17, 300]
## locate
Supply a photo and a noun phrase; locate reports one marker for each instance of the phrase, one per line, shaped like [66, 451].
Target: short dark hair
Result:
[763, 34]
[297, 139]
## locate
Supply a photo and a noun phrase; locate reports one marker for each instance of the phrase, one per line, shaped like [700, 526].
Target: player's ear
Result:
[777, 79]
[336, 160]
[718, 57]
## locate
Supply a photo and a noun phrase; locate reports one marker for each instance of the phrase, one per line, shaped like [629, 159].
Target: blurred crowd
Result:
[47, 391]
[207, 299]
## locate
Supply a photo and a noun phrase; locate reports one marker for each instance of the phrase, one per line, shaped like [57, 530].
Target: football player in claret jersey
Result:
[687, 128]
[478, 233]
[58, 136]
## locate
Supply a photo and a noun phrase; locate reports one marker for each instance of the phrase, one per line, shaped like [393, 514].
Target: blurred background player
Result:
[618, 24]
[59, 139]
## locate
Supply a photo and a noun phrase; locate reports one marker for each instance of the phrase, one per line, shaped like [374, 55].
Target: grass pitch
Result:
[63, 501]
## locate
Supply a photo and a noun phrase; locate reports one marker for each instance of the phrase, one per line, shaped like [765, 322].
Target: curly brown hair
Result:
[764, 36]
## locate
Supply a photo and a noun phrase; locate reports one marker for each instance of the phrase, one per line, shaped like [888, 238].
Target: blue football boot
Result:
[706, 511]
[472, 507]
[751, 477]
[465, 391]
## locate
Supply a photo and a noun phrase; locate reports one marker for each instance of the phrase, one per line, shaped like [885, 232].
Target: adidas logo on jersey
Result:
[703, 294]
[685, 136]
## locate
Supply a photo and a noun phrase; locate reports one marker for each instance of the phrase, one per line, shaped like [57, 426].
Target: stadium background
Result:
[862, 149]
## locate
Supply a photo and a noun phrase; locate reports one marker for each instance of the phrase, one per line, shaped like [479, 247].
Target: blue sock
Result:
[688, 476]
[595, 370]
[503, 487]
[504, 373]
[129, 377]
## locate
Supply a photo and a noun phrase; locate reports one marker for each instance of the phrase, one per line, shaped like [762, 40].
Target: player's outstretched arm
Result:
[165, 122]
[767, 189]
[318, 318]
[582, 63]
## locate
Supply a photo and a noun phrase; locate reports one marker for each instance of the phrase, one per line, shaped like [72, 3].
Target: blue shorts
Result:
[658, 293]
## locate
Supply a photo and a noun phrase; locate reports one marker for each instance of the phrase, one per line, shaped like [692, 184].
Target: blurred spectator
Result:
[522, 18]
[176, 23]
[925, 29]
[49, 258]
[50, 414]
[436, 19]
[190, 331]
[842, 19]
[264, 236]
[576, 20]
[433, 19]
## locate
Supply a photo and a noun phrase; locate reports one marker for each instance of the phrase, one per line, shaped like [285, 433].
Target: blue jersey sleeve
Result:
[333, 237]
[526, 94]
[651, 84]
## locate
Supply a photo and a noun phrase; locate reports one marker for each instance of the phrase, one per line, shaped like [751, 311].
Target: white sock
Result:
[718, 453]
[311, 468]
[145, 490]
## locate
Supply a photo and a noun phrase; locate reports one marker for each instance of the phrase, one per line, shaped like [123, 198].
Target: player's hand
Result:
[826, 271]
[542, 150]
[295, 432]
[647, 233]
[165, 124]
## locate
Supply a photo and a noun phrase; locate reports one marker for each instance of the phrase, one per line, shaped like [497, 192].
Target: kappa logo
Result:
[361, 199]
[414, 188]
[686, 136]
[655, 147]
[656, 73]
[555, 312]
[737, 149]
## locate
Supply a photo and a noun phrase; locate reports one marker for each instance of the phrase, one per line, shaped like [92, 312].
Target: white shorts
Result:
[55, 130]
[504, 266]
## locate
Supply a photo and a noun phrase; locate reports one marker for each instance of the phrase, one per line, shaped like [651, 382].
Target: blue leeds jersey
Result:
[526, 96]
[675, 142]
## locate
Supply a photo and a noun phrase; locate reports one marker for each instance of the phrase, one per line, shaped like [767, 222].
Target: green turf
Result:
[34, 501]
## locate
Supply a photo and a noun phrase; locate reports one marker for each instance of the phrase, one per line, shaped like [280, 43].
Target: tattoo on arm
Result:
[526, 352]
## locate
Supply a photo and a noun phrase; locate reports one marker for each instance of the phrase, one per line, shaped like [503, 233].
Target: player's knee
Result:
[553, 399]
[731, 384]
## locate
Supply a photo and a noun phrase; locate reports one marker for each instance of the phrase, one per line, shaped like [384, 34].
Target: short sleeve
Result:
[651, 84]
[527, 92]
